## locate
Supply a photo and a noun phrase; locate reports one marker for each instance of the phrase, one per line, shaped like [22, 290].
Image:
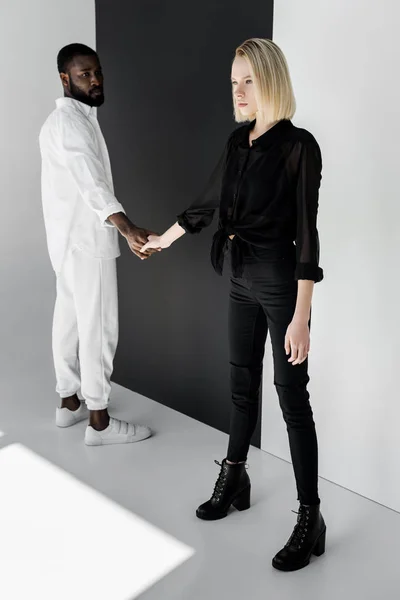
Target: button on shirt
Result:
[267, 196]
[77, 187]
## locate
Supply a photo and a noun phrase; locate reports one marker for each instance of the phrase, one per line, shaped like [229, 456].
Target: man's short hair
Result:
[67, 55]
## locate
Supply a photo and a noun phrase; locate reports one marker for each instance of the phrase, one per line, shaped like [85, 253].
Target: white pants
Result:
[85, 328]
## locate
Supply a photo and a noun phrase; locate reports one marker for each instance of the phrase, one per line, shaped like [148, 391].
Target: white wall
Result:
[344, 60]
[31, 33]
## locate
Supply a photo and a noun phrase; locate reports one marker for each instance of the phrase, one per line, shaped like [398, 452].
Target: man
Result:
[82, 219]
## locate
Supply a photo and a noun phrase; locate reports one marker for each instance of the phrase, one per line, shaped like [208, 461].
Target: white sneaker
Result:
[118, 432]
[66, 417]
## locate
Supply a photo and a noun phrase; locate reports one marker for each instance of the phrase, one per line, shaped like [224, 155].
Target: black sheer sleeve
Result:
[201, 212]
[307, 192]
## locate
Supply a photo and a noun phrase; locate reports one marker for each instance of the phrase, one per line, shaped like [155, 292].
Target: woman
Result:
[266, 188]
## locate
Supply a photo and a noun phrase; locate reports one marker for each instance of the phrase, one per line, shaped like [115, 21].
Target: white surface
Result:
[50, 521]
[1, 433]
[164, 479]
[343, 58]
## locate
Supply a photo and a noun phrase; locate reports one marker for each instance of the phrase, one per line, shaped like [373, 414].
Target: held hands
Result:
[155, 243]
[143, 242]
[297, 342]
[136, 238]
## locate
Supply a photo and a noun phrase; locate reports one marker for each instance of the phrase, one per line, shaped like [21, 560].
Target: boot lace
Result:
[220, 483]
[219, 487]
[301, 528]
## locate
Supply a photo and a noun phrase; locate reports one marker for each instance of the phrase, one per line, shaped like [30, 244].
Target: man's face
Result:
[84, 80]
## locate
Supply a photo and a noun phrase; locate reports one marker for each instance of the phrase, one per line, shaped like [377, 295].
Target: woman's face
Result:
[243, 87]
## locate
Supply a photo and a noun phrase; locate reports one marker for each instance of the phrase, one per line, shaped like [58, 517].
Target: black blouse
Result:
[267, 195]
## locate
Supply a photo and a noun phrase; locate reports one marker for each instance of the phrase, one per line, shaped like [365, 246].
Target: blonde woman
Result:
[266, 187]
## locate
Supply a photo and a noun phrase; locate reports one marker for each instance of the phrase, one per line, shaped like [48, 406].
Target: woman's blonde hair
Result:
[273, 86]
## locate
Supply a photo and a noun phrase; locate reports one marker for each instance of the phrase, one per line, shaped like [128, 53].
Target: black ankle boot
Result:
[307, 538]
[232, 488]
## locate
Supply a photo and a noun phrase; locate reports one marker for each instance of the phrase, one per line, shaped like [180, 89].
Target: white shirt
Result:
[77, 187]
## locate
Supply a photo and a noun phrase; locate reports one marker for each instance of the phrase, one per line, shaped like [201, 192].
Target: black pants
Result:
[263, 300]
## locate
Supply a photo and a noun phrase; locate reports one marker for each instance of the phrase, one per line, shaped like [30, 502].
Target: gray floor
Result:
[163, 480]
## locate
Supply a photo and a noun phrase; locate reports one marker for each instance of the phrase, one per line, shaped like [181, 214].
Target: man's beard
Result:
[92, 99]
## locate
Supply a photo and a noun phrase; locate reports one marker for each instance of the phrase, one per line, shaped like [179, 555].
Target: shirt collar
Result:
[85, 108]
[276, 132]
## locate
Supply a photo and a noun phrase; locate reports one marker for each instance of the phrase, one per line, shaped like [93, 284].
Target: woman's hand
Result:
[159, 242]
[156, 242]
[297, 342]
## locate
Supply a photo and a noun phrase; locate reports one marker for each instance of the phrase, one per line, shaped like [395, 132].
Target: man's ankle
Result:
[99, 419]
[71, 402]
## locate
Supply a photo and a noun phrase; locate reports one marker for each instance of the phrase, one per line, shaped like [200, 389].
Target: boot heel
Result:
[242, 502]
[319, 548]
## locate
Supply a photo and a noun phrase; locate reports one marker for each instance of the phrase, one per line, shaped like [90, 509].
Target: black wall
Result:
[167, 115]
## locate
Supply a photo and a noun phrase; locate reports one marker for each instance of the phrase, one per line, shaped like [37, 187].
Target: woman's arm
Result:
[200, 213]
[302, 312]
[308, 271]
[297, 340]
[309, 167]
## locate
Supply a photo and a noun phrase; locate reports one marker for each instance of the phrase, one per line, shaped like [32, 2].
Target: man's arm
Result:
[77, 146]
